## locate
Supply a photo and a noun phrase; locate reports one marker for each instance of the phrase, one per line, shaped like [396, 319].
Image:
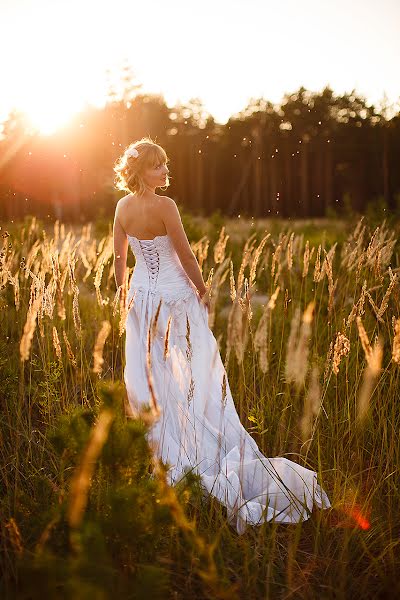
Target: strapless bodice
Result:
[158, 268]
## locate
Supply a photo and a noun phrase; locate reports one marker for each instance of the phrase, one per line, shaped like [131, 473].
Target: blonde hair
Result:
[129, 169]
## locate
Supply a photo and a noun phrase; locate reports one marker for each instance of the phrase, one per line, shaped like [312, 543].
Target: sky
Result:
[54, 53]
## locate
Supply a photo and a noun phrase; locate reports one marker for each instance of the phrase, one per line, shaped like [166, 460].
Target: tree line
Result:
[315, 154]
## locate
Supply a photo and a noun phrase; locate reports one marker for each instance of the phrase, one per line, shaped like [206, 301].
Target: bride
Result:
[171, 354]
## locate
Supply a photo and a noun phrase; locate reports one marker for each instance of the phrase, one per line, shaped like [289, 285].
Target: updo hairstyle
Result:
[129, 169]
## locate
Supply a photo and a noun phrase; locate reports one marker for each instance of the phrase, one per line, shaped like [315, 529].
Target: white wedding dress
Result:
[199, 428]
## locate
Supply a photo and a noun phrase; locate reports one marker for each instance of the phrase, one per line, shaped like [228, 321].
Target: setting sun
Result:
[47, 118]
[61, 53]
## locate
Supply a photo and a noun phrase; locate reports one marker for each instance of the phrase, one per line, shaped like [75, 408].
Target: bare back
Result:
[141, 217]
[146, 218]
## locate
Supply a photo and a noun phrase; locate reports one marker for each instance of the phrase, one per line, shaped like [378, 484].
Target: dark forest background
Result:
[316, 154]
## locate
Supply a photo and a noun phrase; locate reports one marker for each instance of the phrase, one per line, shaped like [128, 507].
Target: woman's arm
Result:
[120, 250]
[173, 224]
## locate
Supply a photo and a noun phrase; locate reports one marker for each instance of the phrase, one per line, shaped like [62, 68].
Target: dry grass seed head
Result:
[29, 328]
[99, 345]
[317, 267]
[220, 246]
[167, 334]
[56, 344]
[289, 252]
[298, 347]
[70, 353]
[256, 258]
[232, 282]
[237, 334]
[371, 374]
[306, 259]
[75, 310]
[262, 333]
[123, 308]
[385, 300]
[358, 308]
[312, 403]
[396, 341]
[364, 340]
[341, 348]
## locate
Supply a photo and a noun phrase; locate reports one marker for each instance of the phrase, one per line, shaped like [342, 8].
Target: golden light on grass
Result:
[380, 310]
[364, 339]
[352, 248]
[306, 259]
[220, 247]
[255, 260]
[296, 364]
[276, 255]
[123, 303]
[99, 345]
[213, 285]
[200, 249]
[232, 287]
[116, 300]
[56, 343]
[358, 307]
[261, 336]
[29, 328]
[341, 348]
[328, 269]
[317, 266]
[237, 336]
[70, 353]
[105, 250]
[58, 283]
[75, 309]
[312, 404]
[359, 468]
[246, 258]
[373, 355]
[289, 252]
[396, 342]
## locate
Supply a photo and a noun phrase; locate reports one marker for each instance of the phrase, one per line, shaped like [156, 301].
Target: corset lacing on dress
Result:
[152, 260]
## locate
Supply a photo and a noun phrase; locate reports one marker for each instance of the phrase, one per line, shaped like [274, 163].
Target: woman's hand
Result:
[205, 298]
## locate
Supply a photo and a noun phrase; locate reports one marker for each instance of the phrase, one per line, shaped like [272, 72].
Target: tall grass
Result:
[309, 332]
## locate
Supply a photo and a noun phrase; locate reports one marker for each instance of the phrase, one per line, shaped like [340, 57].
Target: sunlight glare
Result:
[47, 118]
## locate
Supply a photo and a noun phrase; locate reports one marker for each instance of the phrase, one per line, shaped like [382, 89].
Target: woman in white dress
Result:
[198, 428]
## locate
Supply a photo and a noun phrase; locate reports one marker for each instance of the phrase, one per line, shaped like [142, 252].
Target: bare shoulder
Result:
[122, 202]
[169, 205]
[121, 207]
[166, 200]
[170, 214]
[175, 230]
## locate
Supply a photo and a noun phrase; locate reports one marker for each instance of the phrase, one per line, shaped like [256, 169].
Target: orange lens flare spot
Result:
[354, 516]
[361, 520]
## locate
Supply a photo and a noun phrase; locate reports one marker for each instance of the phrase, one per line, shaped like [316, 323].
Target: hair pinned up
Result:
[129, 167]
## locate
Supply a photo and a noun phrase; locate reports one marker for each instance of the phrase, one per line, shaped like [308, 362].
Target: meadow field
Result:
[307, 318]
